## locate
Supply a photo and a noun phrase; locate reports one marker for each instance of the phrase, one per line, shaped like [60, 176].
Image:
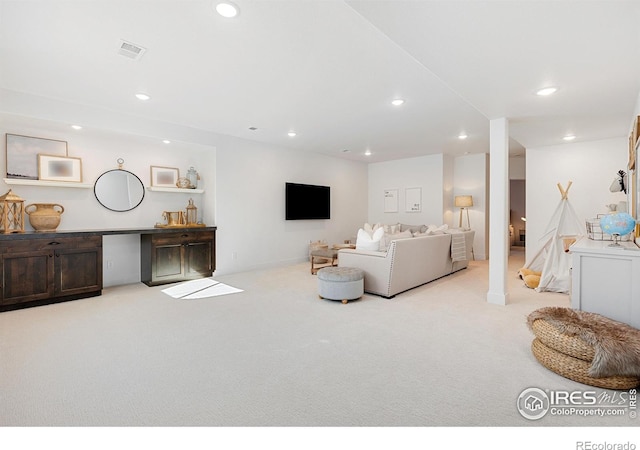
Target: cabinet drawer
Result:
[51, 244]
[177, 238]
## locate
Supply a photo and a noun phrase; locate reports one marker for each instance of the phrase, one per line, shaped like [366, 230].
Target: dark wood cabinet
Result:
[39, 271]
[171, 257]
[38, 268]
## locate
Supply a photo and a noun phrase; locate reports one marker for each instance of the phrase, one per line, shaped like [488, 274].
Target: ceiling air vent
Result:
[130, 50]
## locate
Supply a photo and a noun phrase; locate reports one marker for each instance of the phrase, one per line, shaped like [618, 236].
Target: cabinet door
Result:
[167, 262]
[198, 259]
[171, 257]
[78, 271]
[26, 276]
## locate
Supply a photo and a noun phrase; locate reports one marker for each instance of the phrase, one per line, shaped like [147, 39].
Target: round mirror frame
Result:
[111, 208]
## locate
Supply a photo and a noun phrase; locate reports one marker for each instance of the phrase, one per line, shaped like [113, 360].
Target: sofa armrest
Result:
[375, 265]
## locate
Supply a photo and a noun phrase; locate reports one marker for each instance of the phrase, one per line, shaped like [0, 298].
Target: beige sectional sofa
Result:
[407, 263]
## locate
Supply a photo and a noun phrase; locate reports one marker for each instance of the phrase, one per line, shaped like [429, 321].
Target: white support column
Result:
[498, 210]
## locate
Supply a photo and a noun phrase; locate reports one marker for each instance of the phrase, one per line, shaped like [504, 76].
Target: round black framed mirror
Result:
[119, 190]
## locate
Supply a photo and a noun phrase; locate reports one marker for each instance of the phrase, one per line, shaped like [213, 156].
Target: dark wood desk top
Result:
[105, 232]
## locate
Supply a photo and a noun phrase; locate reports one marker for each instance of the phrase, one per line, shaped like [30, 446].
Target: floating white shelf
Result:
[175, 190]
[42, 183]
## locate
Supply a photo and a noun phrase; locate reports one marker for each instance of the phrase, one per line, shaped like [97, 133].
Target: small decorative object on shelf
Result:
[192, 213]
[44, 216]
[193, 177]
[164, 176]
[173, 218]
[11, 213]
[183, 183]
[617, 225]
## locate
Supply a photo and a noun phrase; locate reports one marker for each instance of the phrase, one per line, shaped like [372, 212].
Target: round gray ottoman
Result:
[340, 283]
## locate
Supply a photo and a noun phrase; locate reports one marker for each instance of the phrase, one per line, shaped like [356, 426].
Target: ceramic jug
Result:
[44, 216]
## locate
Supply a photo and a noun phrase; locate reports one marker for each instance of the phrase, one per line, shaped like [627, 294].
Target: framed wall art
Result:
[390, 200]
[22, 154]
[413, 200]
[59, 168]
[164, 176]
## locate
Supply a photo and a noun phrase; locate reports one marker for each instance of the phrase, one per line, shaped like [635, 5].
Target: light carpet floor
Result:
[277, 355]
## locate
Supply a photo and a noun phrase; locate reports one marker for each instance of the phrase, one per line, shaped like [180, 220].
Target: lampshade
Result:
[463, 201]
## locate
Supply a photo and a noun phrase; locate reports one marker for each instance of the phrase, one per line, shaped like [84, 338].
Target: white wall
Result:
[471, 178]
[517, 168]
[250, 179]
[441, 178]
[591, 166]
[448, 188]
[425, 172]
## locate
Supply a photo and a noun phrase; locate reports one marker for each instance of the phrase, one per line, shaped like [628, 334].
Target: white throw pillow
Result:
[365, 241]
[371, 228]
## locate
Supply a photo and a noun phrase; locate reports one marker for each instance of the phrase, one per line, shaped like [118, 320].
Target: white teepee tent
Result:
[553, 259]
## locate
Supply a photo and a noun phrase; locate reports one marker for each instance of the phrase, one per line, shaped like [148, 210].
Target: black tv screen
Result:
[306, 201]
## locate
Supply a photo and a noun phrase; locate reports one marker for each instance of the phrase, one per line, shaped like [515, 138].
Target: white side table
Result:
[606, 280]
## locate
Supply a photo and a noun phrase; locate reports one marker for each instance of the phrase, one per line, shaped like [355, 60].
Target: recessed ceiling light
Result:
[397, 102]
[291, 134]
[462, 136]
[367, 152]
[166, 141]
[227, 9]
[546, 91]
[142, 96]
[569, 137]
[76, 127]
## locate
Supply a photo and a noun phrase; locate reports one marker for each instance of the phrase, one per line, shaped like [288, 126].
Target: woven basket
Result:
[568, 345]
[577, 369]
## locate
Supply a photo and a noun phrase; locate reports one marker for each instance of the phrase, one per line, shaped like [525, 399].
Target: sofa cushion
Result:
[413, 228]
[386, 240]
[435, 229]
[392, 229]
[366, 241]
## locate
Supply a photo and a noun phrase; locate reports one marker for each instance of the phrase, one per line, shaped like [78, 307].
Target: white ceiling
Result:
[329, 69]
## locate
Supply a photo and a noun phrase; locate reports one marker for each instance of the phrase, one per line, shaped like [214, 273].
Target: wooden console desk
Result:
[39, 268]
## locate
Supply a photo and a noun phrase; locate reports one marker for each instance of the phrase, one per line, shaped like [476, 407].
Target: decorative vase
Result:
[193, 177]
[44, 216]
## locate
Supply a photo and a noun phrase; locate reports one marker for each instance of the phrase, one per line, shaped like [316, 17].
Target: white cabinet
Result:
[606, 280]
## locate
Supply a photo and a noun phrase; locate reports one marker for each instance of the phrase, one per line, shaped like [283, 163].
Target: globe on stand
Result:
[617, 225]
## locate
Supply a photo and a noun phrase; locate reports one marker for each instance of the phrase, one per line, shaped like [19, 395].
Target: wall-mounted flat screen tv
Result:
[307, 201]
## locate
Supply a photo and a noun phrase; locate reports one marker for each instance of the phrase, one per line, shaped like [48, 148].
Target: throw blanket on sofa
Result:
[458, 246]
